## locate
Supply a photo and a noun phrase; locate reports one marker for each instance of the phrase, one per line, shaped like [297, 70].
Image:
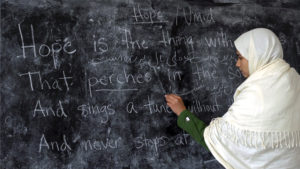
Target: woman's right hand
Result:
[175, 103]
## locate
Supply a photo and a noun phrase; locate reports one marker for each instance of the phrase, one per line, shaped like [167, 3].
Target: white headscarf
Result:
[261, 129]
[259, 46]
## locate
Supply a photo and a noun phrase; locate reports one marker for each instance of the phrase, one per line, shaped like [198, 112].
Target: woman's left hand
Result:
[175, 103]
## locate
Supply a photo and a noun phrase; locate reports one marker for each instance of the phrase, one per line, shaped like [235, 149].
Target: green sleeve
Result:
[192, 125]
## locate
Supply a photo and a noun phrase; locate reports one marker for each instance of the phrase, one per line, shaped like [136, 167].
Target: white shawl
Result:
[262, 127]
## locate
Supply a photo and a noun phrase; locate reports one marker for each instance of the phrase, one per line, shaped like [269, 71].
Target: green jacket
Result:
[192, 125]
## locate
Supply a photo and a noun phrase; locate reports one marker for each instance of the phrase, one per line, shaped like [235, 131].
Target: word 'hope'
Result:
[44, 50]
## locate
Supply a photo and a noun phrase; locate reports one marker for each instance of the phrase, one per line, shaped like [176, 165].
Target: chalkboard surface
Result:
[83, 82]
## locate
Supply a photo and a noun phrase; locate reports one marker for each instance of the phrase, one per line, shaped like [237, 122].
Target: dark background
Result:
[133, 52]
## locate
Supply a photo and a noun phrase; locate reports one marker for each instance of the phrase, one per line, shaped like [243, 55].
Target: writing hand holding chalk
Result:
[175, 103]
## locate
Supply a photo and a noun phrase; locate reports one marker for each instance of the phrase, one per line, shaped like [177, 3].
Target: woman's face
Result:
[242, 64]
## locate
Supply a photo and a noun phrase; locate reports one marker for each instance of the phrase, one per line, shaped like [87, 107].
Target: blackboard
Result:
[82, 82]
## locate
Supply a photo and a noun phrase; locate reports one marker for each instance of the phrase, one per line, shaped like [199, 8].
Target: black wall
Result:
[83, 82]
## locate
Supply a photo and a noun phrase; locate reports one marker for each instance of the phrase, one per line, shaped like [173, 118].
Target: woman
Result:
[261, 129]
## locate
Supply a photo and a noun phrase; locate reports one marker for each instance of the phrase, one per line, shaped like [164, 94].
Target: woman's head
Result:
[258, 47]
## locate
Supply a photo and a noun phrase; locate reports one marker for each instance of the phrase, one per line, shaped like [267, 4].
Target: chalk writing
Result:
[119, 58]
[154, 144]
[192, 16]
[100, 45]
[201, 73]
[104, 111]
[151, 143]
[183, 139]
[219, 40]
[152, 61]
[170, 61]
[157, 108]
[49, 111]
[54, 145]
[98, 145]
[120, 78]
[196, 106]
[56, 84]
[133, 44]
[176, 40]
[130, 108]
[147, 16]
[45, 50]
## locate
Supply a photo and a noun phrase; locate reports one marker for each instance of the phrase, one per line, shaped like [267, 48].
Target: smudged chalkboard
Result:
[82, 82]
